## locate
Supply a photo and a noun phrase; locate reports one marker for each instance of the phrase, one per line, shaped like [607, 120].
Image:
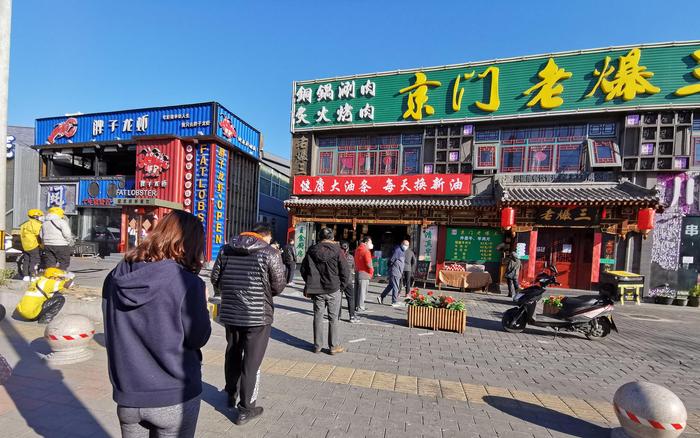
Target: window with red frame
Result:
[540, 158]
[325, 163]
[569, 157]
[512, 159]
[389, 162]
[367, 163]
[696, 151]
[604, 152]
[346, 163]
[486, 156]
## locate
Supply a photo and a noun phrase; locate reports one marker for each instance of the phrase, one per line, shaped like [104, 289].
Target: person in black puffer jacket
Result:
[248, 272]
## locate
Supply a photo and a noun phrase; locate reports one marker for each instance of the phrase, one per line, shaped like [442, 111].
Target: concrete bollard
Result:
[647, 410]
[68, 337]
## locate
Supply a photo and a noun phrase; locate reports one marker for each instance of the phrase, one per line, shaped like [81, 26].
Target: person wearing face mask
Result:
[248, 272]
[396, 263]
[31, 242]
[409, 266]
[364, 271]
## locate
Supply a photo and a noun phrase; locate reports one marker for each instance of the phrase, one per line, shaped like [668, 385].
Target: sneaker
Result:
[291, 283]
[245, 415]
[337, 350]
[317, 350]
[396, 304]
[362, 309]
[354, 320]
[380, 300]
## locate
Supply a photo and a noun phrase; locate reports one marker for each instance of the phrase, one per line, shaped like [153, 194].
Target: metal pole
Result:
[5, 24]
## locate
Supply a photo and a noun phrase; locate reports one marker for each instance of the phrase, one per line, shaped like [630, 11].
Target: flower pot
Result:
[437, 319]
[680, 302]
[663, 300]
[694, 301]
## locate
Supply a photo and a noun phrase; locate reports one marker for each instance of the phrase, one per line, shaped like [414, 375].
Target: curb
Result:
[91, 309]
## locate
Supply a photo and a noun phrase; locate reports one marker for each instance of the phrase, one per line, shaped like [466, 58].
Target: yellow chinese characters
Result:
[418, 97]
[695, 88]
[494, 100]
[549, 90]
[631, 78]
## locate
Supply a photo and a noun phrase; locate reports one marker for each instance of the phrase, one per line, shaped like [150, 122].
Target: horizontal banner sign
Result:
[373, 185]
[571, 82]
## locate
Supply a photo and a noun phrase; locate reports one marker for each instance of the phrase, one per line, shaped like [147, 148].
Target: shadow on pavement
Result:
[294, 309]
[548, 418]
[53, 408]
[495, 325]
[291, 340]
[217, 400]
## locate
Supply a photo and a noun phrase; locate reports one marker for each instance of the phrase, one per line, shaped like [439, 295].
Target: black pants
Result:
[50, 308]
[291, 269]
[244, 354]
[407, 280]
[349, 293]
[58, 256]
[512, 286]
[31, 262]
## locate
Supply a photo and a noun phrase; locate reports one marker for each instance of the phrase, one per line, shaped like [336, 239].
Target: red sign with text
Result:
[392, 185]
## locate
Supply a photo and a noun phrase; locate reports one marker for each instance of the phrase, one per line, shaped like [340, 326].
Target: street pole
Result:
[5, 24]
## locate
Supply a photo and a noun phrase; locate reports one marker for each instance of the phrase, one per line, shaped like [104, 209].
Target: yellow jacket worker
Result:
[31, 244]
[42, 301]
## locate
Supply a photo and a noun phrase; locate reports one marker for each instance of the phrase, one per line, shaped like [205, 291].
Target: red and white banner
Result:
[387, 185]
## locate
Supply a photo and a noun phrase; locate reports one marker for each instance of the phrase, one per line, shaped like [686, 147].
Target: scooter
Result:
[587, 314]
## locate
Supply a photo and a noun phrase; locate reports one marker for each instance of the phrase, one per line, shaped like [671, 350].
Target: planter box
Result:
[694, 301]
[550, 309]
[437, 319]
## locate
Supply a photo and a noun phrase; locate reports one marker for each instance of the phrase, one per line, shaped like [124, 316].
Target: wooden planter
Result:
[550, 309]
[437, 319]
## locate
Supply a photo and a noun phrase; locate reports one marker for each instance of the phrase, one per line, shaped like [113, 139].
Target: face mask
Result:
[370, 245]
[404, 247]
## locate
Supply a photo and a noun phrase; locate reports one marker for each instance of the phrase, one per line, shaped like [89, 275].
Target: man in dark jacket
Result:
[395, 273]
[409, 266]
[289, 258]
[325, 271]
[512, 271]
[248, 272]
[349, 289]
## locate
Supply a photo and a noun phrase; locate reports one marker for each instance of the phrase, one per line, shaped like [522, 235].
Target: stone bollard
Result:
[647, 410]
[68, 337]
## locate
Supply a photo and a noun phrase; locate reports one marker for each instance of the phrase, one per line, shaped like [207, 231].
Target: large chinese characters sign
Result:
[403, 185]
[592, 81]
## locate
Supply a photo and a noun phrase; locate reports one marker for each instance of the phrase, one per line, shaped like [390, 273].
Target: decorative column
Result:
[532, 256]
[595, 261]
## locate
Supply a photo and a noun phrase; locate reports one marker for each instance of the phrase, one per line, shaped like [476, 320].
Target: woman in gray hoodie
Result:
[57, 239]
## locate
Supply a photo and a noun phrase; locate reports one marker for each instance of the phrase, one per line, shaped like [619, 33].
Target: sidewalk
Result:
[393, 381]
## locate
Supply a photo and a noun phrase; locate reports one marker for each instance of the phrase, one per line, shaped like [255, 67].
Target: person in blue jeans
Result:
[398, 258]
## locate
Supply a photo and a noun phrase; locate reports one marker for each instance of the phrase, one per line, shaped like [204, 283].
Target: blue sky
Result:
[90, 56]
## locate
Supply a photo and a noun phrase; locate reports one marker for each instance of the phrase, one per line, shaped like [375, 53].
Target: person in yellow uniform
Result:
[42, 301]
[31, 242]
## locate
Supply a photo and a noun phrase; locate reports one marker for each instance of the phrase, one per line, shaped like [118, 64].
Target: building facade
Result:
[274, 190]
[115, 174]
[22, 175]
[575, 144]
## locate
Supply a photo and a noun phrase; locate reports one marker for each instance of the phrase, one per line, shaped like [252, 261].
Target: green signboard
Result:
[570, 82]
[473, 244]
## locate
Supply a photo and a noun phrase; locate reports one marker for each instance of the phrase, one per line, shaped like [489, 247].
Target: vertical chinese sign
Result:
[428, 244]
[201, 183]
[300, 241]
[218, 210]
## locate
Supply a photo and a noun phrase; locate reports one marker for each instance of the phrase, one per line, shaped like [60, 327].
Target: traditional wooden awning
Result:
[451, 203]
[622, 193]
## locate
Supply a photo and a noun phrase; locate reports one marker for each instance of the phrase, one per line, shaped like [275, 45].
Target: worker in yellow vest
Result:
[42, 301]
[31, 242]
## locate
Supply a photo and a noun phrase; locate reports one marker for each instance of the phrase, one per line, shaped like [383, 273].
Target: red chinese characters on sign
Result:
[402, 185]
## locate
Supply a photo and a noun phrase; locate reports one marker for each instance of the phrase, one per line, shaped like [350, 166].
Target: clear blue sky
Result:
[90, 56]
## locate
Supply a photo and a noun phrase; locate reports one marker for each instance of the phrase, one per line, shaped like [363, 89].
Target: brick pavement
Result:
[393, 381]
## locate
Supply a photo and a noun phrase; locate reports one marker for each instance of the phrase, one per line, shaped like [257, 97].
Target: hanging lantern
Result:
[645, 220]
[604, 214]
[507, 217]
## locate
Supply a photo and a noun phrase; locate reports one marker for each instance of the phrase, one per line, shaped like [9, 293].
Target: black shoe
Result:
[245, 415]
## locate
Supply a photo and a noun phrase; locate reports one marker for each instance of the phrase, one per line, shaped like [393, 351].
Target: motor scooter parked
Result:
[587, 314]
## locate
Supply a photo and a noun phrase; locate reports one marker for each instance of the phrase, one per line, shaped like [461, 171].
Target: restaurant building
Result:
[115, 174]
[571, 151]
[274, 190]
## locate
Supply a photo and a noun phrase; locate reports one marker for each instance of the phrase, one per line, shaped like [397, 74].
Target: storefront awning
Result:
[581, 193]
[441, 203]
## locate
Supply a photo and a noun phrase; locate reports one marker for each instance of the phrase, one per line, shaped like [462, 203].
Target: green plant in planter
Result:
[694, 296]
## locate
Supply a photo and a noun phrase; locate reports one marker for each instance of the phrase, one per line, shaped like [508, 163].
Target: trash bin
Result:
[628, 285]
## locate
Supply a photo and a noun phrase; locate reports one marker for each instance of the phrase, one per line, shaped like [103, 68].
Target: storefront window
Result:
[512, 158]
[411, 161]
[540, 158]
[604, 152]
[602, 129]
[325, 163]
[696, 151]
[346, 163]
[101, 226]
[569, 158]
[486, 156]
[389, 162]
[366, 163]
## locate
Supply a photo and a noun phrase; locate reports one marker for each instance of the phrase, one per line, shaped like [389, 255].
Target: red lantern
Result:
[604, 214]
[645, 219]
[507, 217]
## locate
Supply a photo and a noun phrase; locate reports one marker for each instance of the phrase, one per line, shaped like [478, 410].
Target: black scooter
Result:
[588, 314]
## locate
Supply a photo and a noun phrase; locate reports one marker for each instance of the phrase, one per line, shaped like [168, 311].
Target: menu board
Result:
[475, 245]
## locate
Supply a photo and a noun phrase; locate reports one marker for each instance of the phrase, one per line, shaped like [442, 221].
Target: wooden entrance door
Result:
[569, 251]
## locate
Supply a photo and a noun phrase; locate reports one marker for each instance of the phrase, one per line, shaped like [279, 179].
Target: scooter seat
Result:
[581, 301]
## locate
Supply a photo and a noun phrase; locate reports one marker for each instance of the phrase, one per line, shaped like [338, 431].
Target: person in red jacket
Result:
[364, 271]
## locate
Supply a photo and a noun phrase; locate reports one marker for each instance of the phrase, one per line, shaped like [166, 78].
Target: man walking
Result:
[31, 246]
[409, 265]
[512, 271]
[57, 239]
[325, 272]
[289, 259]
[364, 271]
[248, 272]
[396, 264]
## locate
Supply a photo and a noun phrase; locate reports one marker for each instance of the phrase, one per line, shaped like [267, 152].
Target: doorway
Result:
[570, 250]
[140, 222]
